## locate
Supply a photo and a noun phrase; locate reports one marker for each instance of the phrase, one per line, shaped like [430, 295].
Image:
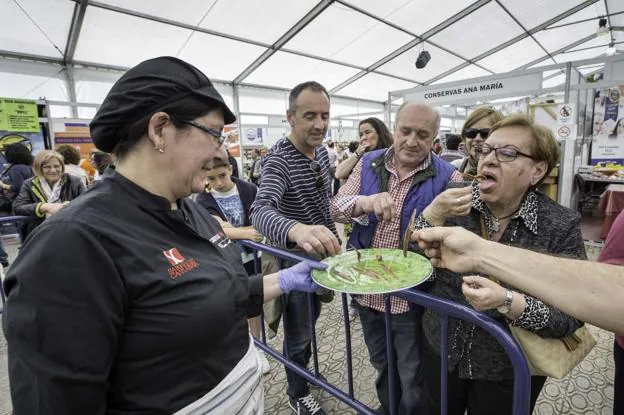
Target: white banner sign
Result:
[482, 90]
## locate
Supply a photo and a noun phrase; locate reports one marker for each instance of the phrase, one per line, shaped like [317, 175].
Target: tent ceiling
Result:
[356, 48]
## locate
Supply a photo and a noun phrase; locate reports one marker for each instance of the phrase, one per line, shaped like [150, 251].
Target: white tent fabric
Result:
[360, 49]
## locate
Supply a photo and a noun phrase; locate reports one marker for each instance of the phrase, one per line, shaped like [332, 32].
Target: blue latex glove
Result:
[298, 278]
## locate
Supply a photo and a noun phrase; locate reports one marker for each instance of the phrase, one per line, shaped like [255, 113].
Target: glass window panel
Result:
[374, 87]
[19, 34]
[60, 111]
[479, 32]
[555, 39]
[590, 68]
[263, 21]
[341, 107]
[260, 101]
[345, 35]
[402, 12]
[15, 85]
[254, 119]
[231, 57]
[116, 39]
[404, 65]
[525, 10]
[554, 81]
[286, 70]
[191, 13]
[92, 92]
[86, 112]
[513, 56]
[470, 71]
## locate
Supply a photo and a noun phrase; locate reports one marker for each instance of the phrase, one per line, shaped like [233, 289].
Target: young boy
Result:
[229, 200]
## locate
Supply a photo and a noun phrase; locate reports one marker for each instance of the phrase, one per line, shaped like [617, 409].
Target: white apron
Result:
[240, 392]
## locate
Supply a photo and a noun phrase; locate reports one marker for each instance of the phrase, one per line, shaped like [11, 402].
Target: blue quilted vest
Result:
[426, 185]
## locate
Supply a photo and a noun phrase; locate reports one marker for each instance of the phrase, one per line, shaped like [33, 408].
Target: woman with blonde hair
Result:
[477, 128]
[48, 191]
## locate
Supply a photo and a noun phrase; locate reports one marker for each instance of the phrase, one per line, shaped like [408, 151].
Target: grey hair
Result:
[422, 105]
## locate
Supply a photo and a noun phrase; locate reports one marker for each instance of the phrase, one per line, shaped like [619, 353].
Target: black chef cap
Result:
[144, 89]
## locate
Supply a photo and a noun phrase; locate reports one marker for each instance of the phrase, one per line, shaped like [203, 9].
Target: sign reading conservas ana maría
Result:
[471, 90]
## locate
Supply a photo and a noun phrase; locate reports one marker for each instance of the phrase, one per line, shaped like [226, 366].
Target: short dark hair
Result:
[452, 141]
[256, 151]
[70, 154]
[184, 109]
[330, 144]
[18, 153]
[353, 145]
[385, 138]
[297, 90]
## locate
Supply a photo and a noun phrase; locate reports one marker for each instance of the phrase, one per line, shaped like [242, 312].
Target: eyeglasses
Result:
[473, 132]
[218, 135]
[503, 154]
[316, 168]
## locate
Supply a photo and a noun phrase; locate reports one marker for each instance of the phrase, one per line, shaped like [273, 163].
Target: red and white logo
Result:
[174, 256]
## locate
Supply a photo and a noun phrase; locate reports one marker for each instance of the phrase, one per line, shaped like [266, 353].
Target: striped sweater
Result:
[288, 193]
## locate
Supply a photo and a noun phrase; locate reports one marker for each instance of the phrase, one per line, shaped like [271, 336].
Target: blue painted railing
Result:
[522, 376]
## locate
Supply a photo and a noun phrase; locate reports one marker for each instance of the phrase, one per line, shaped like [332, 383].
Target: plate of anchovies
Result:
[373, 271]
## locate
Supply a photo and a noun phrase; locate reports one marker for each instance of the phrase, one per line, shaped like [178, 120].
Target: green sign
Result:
[18, 115]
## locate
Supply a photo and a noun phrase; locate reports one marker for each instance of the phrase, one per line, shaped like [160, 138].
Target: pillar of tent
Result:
[539, 92]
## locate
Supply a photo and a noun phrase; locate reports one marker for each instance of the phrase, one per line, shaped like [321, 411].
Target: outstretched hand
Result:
[454, 248]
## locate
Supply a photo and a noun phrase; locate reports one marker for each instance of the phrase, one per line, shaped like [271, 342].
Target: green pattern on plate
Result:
[371, 276]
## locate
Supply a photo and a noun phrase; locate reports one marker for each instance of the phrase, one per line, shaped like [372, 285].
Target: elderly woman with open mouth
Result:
[504, 205]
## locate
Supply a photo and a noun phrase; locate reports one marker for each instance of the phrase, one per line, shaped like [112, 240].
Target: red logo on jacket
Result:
[179, 265]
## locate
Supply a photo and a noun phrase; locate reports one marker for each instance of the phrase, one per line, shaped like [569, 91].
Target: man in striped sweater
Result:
[292, 210]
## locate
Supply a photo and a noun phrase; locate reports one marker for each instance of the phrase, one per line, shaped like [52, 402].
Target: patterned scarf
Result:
[53, 194]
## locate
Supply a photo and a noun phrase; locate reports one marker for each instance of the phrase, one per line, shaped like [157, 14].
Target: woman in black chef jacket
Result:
[131, 299]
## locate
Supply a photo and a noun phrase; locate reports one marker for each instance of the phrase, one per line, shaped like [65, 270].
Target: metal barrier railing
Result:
[522, 376]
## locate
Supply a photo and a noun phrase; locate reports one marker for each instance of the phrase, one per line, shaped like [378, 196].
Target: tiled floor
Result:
[587, 390]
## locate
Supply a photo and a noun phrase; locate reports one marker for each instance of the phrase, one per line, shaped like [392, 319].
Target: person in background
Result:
[292, 211]
[101, 161]
[613, 253]
[476, 129]
[71, 156]
[378, 200]
[437, 147]
[374, 135]
[255, 171]
[20, 161]
[48, 192]
[333, 161]
[233, 163]
[86, 165]
[228, 199]
[452, 153]
[341, 156]
[507, 207]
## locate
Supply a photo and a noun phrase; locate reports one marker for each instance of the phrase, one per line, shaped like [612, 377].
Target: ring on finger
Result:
[459, 201]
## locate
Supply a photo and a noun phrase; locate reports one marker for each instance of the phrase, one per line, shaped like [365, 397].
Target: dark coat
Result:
[31, 197]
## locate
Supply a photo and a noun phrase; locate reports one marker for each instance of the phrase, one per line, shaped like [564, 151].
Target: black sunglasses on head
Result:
[316, 168]
[473, 132]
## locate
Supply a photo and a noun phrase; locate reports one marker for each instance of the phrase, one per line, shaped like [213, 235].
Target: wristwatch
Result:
[504, 309]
